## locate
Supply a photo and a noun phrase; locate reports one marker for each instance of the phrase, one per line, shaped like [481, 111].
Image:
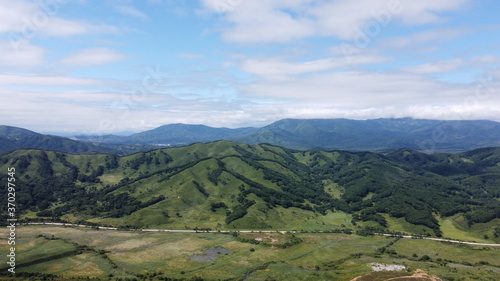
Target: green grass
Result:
[401, 225]
[83, 265]
[456, 253]
[457, 228]
[333, 189]
[39, 248]
[320, 256]
[383, 275]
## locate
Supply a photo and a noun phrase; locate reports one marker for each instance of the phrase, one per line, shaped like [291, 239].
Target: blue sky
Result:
[111, 66]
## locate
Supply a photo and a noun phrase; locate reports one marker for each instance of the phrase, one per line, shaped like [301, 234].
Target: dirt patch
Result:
[267, 237]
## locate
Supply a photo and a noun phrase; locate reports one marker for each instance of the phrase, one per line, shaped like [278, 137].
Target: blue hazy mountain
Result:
[333, 134]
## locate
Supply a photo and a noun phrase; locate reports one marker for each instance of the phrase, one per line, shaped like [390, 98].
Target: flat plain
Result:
[70, 252]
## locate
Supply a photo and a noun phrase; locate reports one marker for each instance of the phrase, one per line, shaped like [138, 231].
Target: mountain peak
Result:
[11, 131]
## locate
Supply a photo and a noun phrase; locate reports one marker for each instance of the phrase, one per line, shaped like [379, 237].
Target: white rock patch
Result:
[387, 267]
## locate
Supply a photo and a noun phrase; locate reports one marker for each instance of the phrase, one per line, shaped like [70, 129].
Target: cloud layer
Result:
[285, 20]
[70, 66]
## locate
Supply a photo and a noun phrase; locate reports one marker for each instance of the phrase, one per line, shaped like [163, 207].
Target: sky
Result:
[122, 66]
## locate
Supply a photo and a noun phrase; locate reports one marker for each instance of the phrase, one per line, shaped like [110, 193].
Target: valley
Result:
[280, 212]
[249, 140]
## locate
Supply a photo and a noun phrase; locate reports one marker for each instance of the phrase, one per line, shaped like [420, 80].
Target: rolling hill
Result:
[229, 185]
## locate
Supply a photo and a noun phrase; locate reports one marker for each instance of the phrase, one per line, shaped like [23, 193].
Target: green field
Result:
[80, 252]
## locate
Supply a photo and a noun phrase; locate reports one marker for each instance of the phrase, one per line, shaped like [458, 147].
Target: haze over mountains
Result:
[330, 134]
[375, 135]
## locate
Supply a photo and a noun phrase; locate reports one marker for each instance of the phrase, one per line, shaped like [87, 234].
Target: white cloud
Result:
[13, 14]
[437, 67]
[277, 67]
[48, 81]
[20, 54]
[421, 38]
[427, 11]
[25, 19]
[108, 112]
[59, 27]
[453, 65]
[271, 25]
[358, 90]
[346, 19]
[94, 56]
[355, 95]
[283, 21]
[486, 60]
[222, 5]
[129, 11]
[290, 80]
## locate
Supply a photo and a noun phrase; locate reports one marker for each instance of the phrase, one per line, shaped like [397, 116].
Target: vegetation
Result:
[337, 200]
[64, 253]
[230, 185]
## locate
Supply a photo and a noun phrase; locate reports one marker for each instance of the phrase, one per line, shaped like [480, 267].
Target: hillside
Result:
[377, 135]
[12, 138]
[228, 185]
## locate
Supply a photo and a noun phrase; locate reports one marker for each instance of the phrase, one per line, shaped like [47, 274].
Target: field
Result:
[84, 252]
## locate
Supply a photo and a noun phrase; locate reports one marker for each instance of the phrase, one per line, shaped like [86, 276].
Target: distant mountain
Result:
[378, 134]
[12, 138]
[187, 134]
[106, 139]
[10, 131]
[375, 135]
[174, 135]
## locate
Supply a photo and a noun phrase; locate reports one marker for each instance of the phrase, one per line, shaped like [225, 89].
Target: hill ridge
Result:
[230, 185]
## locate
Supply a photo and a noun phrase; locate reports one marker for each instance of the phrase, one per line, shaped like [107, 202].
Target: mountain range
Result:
[329, 134]
[376, 135]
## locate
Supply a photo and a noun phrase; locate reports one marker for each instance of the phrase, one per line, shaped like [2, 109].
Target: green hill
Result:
[228, 185]
[12, 138]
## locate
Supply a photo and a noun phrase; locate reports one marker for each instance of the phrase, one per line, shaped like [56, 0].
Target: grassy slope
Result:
[186, 206]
